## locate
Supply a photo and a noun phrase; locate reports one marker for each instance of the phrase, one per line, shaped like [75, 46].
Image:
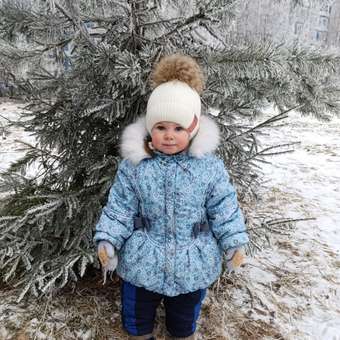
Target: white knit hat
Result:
[174, 101]
[177, 80]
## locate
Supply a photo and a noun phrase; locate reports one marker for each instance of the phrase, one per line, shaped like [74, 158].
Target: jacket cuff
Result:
[234, 241]
[103, 236]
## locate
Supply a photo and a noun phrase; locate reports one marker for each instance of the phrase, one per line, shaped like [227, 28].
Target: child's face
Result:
[169, 138]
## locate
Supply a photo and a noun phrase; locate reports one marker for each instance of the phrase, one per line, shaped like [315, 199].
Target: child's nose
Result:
[169, 135]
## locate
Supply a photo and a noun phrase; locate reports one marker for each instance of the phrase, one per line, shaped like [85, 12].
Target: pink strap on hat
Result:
[192, 125]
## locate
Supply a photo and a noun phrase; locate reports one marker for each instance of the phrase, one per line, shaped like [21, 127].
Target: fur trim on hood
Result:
[132, 143]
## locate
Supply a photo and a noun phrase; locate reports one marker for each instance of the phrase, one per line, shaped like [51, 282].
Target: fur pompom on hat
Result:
[178, 67]
[177, 81]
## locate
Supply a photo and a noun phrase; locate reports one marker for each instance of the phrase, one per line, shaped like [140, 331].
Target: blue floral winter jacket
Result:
[174, 192]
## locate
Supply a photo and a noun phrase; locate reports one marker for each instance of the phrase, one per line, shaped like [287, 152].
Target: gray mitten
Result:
[235, 257]
[107, 257]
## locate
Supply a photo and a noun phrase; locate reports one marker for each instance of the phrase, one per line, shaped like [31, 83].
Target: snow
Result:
[312, 171]
[10, 136]
[294, 285]
[304, 184]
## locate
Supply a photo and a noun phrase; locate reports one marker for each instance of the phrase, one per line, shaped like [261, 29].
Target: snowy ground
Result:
[305, 183]
[10, 137]
[289, 291]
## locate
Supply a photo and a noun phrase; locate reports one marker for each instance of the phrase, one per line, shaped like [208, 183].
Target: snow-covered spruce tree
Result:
[96, 83]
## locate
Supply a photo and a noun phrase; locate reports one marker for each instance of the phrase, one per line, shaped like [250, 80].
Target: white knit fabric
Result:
[173, 101]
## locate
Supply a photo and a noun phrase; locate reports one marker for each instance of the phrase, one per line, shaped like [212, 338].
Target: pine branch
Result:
[21, 20]
[266, 123]
[78, 110]
[186, 24]
[158, 22]
[75, 22]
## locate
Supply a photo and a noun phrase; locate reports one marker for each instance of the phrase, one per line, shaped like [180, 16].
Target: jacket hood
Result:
[132, 143]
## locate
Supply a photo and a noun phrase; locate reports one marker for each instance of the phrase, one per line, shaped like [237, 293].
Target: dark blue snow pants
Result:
[139, 310]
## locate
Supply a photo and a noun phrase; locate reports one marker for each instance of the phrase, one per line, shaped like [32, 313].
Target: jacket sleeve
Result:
[116, 222]
[224, 215]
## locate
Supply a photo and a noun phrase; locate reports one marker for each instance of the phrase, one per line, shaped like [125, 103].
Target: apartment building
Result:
[310, 23]
[334, 25]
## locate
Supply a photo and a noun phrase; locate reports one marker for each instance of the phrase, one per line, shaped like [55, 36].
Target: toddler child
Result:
[171, 211]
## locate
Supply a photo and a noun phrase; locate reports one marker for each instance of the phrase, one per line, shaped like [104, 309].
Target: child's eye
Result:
[178, 128]
[160, 127]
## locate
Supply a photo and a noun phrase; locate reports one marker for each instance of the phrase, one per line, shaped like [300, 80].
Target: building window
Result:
[325, 8]
[89, 24]
[323, 21]
[266, 19]
[321, 36]
[306, 4]
[298, 28]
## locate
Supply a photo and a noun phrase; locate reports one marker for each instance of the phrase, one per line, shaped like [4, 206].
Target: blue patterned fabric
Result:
[174, 192]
